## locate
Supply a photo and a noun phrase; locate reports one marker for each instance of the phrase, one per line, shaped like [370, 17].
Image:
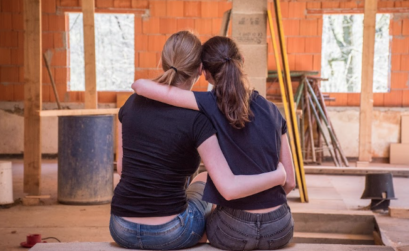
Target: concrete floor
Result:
[90, 223]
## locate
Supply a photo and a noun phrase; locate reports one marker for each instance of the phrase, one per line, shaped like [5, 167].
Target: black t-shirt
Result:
[159, 154]
[254, 149]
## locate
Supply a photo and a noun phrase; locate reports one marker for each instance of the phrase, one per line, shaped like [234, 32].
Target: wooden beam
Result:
[366, 106]
[397, 212]
[32, 96]
[91, 99]
[78, 112]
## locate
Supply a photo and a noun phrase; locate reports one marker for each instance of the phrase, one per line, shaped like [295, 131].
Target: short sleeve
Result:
[206, 101]
[202, 129]
[283, 126]
[121, 114]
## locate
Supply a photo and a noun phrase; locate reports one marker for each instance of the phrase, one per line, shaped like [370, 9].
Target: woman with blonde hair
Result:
[252, 136]
[153, 207]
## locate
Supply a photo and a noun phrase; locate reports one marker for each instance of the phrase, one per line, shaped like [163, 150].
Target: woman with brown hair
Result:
[153, 207]
[252, 136]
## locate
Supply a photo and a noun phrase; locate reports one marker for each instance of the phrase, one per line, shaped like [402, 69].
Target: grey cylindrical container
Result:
[85, 159]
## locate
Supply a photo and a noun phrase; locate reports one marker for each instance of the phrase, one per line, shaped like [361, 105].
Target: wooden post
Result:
[366, 107]
[32, 96]
[91, 100]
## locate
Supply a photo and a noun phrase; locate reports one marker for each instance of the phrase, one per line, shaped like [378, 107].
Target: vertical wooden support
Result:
[91, 99]
[366, 107]
[32, 96]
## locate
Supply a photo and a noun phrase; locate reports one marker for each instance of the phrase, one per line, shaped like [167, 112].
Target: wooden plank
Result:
[32, 96]
[90, 96]
[78, 112]
[396, 212]
[366, 106]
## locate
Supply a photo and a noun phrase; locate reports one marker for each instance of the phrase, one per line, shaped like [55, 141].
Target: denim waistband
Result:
[246, 216]
[143, 227]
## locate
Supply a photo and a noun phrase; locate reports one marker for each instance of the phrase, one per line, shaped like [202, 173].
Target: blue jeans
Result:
[232, 229]
[183, 231]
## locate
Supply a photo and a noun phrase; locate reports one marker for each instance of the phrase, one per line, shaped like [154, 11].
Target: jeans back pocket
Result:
[279, 242]
[222, 240]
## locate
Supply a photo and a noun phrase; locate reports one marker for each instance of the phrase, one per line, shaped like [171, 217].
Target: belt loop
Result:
[181, 220]
[258, 222]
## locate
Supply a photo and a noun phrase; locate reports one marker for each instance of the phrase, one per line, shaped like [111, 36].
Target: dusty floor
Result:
[90, 223]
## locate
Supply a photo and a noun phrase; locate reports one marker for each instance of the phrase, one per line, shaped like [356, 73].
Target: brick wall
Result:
[303, 37]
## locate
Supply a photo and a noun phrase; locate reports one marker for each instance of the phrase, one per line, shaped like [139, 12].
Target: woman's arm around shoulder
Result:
[232, 186]
[166, 94]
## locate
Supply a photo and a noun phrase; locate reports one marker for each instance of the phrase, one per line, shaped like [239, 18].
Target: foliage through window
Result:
[114, 48]
[341, 58]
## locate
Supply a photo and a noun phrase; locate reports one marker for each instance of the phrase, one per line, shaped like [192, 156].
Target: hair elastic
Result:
[174, 68]
[227, 59]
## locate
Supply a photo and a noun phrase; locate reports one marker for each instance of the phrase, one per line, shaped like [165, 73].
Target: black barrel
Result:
[85, 159]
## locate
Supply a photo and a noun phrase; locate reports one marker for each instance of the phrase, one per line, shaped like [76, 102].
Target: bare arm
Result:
[166, 94]
[233, 186]
[286, 159]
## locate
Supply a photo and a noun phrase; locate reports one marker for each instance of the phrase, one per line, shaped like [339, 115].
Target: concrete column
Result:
[249, 28]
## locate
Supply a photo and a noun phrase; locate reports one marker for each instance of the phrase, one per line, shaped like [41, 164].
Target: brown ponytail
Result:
[223, 60]
[180, 59]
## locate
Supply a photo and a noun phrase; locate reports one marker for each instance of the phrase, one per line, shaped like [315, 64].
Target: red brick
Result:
[291, 61]
[295, 44]
[6, 92]
[17, 56]
[106, 97]
[210, 9]
[60, 76]
[400, 45]
[399, 80]
[6, 21]
[141, 73]
[393, 99]
[404, 63]
[59, 58]
[316, 66]
[296, 9]
[405, 98]
[193, 9]
[223, 7]
[203, 39]
[48, 6]
[138, 25]
[47, 41]
[59, 40]
[56, 22]
[18, 22]
[154, 73]
[314, 5]
[104, 3]
[291, 27]
[122, 3]
[396, 27]
[11, 5]
[158, 8]
[156, 42]
[44, 23]
[5, 56]
[285, 9]
[185, 24]
[309, 27]
[341, 99]
[147, 59]
[168, 25]
[46, 89]
[330, 5]
[402, 3]
[151, 26]
[378, 99]
[216, 24]
[395, 61]
[203, 26]
[174, 8]
[354, 99]
[313, 44]
[385, 4]
[405, 28]
[348, 5]
[10, 74]
[69, 3]
[304, 62]
[140, 4]
[8, 39]
[141, 42]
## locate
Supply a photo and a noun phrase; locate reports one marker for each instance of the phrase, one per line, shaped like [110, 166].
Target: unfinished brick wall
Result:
[302, 23]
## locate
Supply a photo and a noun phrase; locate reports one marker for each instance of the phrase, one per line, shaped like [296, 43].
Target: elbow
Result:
[136, 86]
[228, 194]
[291, 185]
